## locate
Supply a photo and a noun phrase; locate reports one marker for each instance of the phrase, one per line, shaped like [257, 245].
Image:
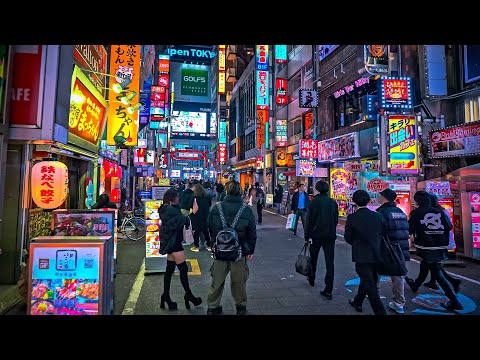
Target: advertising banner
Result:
[402, 131]
[262, 88]
[361, 165]
[194, 82]
[307, 98]
[281, 96]
[222, 153]
[376, 59]
[462, 140]
[261, 57]
[475, 206]
[308, 125]
[93, 58]
[325, 50]
[260, 140]
[306, 168]
[281, 156]
[396, 93]
[191, 53]
[222, 132]
[339, 148]
[281, 54]
[221, 82]
[123, 124]
[308, 149]
[281, 133]
[86, 119]
[152, 237]
[339, 189]
[441, 188]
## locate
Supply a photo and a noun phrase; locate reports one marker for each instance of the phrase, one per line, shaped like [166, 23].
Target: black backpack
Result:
[226, 246]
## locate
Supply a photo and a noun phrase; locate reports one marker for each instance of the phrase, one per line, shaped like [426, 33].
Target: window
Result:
[293, 85]
[250, 141]
[472, 109]
[471, 58]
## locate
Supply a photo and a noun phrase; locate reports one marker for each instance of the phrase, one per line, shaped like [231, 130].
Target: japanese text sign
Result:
[87, 110]
[281, 96]
[222, 153]
[262, 88]
[262, 57]
[308, 125]
[122, 125]
[280, 54]
[462, 140]
[403, 144]
[396, 93]
[260, 133]
[281, 133]
[308, 149]
[49, 183]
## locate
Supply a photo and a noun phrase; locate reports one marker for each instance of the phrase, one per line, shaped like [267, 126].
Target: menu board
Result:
[475, 206]
[152, 237]
[65, 279]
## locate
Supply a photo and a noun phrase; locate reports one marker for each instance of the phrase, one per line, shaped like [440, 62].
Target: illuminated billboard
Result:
[191, 125]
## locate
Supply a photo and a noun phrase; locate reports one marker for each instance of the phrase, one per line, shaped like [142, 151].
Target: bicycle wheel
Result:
[135, 228]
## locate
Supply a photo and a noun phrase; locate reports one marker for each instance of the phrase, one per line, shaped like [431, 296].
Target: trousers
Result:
[199, 234]
[259, 213]
[301, 213]
[398, 290]
[329, 252]
[238, 281]
[368, 286]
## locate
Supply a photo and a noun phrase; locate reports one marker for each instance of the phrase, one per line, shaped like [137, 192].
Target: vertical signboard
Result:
[222, 132]
[376, 59]
[262, 88]
[122, 123]
[281, 94]
[281, 133]
[280, 54]
[222, 153]
[308, 125]
[262, 57]
[402, 131]
[221, 69]
[93, 58]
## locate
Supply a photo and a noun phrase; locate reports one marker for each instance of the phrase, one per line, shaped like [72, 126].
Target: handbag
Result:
[303, 265]
[188, 235]
[391, 260]
[290, 221]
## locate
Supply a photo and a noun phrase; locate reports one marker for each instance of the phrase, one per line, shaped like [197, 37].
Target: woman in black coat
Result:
[199, 218]
[171, 238]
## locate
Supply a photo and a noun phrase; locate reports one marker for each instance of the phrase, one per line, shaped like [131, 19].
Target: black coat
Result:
[322, 219]
[295, 198]
[277, 199]
[397, 226]
[171, 229]
[430, 228]
[260, 196]
[246, 226]
[199, 219]
[364, 230]
[187, 199]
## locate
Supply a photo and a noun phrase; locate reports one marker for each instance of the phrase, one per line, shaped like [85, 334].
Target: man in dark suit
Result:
[364, 230]
[300, 204]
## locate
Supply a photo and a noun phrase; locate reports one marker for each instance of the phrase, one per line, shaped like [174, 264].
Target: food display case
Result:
[69, 276]
[154, 261]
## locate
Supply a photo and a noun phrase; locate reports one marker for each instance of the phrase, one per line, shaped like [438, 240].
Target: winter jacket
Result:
[295, 199]
[199, 219]
[171, 229]
[277, 199]
[364, 230]
[222, 195]
[397, 226]
[187, 199]
[260, 197]
[246, 226]
[322, 219]
[430, 228]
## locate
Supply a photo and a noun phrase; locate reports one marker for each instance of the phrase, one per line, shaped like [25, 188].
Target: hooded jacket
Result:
[171, 229]
[430, 227]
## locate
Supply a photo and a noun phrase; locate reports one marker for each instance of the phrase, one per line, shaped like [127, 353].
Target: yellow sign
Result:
[269, 200]
[122, 123]
[268, 160]
[281, 157]
[402, 131]
[195, 267]
[221, 82]
[164, 182]
[221, 58]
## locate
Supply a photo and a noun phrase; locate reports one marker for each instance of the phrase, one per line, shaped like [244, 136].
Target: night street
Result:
[273, 286]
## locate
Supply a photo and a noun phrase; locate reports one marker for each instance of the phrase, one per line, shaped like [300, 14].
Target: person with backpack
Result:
[260, 201]
[187, 199]
[233, 228]
[199, 219]
[397, 230]
[430, 228]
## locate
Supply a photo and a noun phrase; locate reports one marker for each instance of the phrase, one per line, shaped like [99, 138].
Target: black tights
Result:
[167, 279]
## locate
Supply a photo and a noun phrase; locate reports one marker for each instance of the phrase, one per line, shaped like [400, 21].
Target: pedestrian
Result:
[246, 190]
[430, 228]
[171, 238]
[103, 202]
[300, 204]
[199, 219]
[396, 222]
[432, 284]
[364, 230]
[187, 199]
[260, 201]
[321, 226]
[219, 189]
[277, 198]
[247, 238]
[251, 200]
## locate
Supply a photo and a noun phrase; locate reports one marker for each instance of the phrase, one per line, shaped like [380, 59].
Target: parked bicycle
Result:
[133, 227]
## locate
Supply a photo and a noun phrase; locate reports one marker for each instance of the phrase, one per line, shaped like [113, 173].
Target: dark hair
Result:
[198, 190]
[434, 202]
[233, 188]
[322, 187]
[257, 184]
[361, 198]
[422, 198]
[102, 201]
[169, 196]
[250, 191]
[301, 184]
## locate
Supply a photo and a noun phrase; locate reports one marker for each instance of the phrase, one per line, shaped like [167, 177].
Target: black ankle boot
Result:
[241, 310]
[189, 298]
[166, 299]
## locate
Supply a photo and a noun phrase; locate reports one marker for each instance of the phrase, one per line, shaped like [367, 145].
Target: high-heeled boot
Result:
[167, 279]
[189, 298]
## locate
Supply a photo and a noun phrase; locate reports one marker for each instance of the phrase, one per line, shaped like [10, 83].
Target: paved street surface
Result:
[274, 287]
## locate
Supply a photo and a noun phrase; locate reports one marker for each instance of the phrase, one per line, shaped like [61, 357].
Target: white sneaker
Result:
[398, 309]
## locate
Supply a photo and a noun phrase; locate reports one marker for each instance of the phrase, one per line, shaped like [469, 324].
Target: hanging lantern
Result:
[49, 184]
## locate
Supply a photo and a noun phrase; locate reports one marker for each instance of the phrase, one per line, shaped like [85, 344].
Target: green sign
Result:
[194, 82]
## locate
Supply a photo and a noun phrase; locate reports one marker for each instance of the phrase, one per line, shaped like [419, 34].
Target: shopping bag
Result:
[290, 221]
[391, 261]
[303, 265]
[187, 235]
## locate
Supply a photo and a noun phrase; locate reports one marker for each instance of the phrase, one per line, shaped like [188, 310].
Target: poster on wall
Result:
[306, 168]
[307, 98]
[376, 59]
[475, 208]
[308, 125]
[402, 132]
[65, 279]
[152, 237]
[339, 189]
[463, 140]
[403, 191]
[339, 148]
[122, 125]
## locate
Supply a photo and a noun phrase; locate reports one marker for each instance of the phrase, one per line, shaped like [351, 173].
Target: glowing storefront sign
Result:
[49, 183]
[402, 131]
